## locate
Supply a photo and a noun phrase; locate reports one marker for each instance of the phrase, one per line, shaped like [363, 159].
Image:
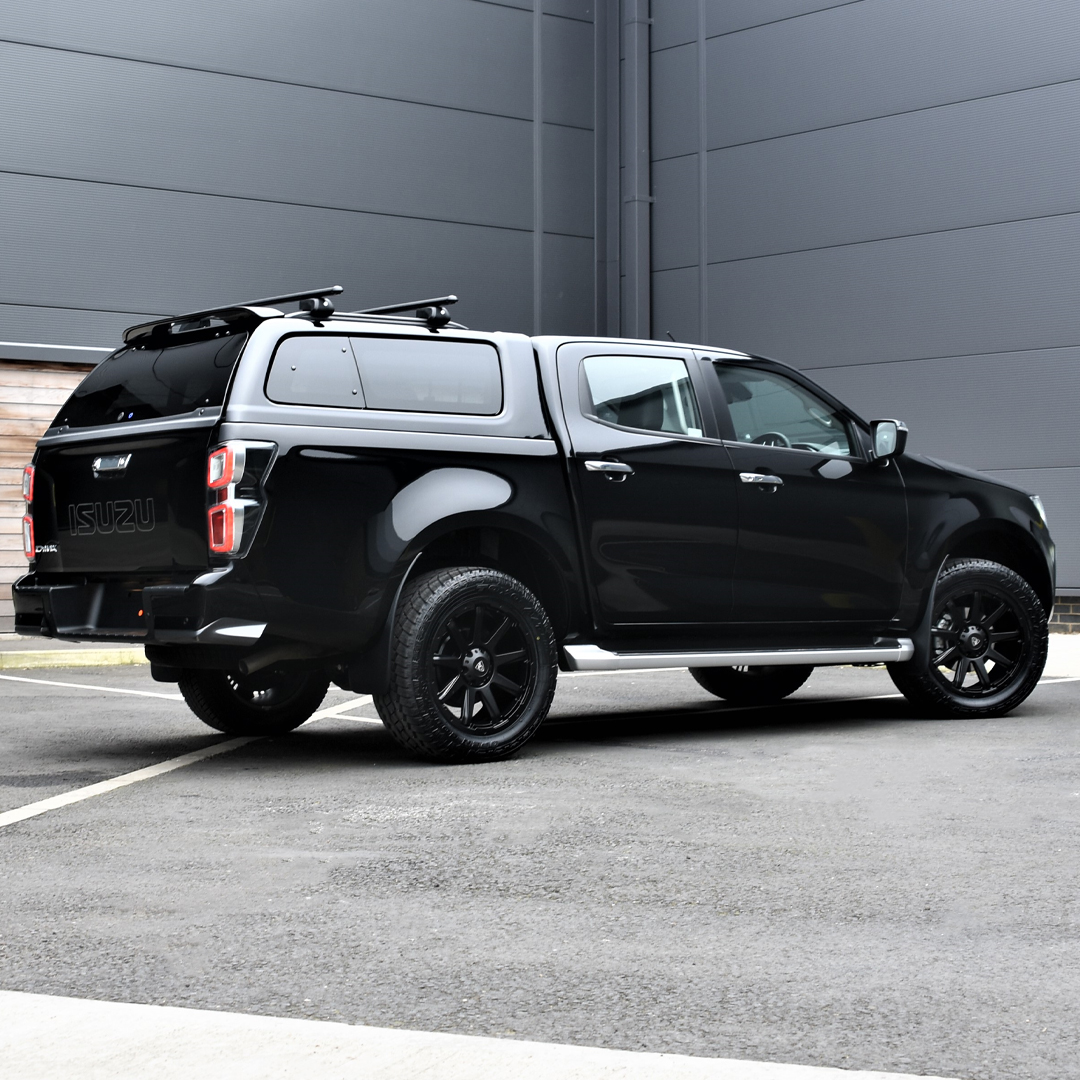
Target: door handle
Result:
[760, 478]
[609, 467]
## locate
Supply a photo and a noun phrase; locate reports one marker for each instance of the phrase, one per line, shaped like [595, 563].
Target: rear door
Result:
[655, 488]
[822, 529]
[120, 477]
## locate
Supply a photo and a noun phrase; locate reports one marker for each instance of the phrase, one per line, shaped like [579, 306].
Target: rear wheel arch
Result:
[499, 547]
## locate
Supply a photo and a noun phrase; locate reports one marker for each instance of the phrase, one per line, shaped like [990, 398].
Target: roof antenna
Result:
[668, 332]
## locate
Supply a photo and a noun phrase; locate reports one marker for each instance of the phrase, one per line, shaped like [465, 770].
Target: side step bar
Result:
[593, 658]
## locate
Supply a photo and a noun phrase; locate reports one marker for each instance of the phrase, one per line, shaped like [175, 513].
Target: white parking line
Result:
[89, 686]
[43, 1037]
[21, 813]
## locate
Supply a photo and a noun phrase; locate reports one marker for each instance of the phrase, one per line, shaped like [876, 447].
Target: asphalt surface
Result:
[830, 882]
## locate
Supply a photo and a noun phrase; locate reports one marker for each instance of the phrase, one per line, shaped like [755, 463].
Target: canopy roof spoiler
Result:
[318, 303]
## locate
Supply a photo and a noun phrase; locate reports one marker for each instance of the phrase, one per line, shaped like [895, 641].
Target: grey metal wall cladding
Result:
[568, 294]
[989, 289]
[568, 180]
[97, 118]
[878, 57]
[459, 53]
[675, 22]
[728, 16]
[675, 212]
[1015, 406]
[567, 64]
[571, 9]
[674, 128]
[676, 308]
[994, 159]
[1060, 492]
[63, 326]
[106, 247]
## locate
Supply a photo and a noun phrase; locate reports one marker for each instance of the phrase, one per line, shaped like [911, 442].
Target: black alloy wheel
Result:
[483, 666]
[269, 702]
[988, 642]
[473, 666]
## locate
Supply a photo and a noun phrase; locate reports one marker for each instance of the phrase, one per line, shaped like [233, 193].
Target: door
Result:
[654, 486]
[822, 529]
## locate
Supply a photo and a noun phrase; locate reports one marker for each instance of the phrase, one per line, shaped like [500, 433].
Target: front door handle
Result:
[760, 478]
[609, 467]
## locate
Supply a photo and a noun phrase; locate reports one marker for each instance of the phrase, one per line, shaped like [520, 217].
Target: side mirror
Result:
[890, 438]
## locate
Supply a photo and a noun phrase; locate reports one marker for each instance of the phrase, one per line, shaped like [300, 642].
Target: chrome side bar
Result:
[593, 658]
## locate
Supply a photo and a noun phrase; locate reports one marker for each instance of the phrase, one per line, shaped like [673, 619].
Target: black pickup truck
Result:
[445, 518]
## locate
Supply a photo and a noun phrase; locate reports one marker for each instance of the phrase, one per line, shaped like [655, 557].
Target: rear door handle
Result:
[760, 478]
[609, 467]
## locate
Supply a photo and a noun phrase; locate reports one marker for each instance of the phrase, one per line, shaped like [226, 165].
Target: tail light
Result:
[234, 475]
[28, 521]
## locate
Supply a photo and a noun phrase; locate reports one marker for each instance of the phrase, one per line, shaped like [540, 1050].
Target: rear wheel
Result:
[473, 666]
[270, 702]
[757, 685]
[988, 641]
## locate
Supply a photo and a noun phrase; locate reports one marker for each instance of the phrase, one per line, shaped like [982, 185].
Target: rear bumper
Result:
[213, 608]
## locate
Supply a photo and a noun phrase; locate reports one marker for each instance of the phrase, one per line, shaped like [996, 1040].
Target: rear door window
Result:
[150, 380]
[648, 393]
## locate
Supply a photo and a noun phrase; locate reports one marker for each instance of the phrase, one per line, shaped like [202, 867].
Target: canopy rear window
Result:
[151, 379]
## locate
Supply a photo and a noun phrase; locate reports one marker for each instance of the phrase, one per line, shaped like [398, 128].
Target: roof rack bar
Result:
[435, 301]
[266, 301]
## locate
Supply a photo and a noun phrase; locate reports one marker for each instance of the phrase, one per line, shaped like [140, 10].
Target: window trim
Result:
[858, 429]
[369, 409]
[701, 400]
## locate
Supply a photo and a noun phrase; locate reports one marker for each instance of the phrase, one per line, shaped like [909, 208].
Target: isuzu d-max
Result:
[445, 519]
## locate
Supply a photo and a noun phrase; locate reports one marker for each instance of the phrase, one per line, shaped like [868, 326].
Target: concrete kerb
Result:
[19, 652]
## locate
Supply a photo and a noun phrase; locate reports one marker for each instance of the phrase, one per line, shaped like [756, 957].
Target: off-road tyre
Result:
[997, 643]
[757, 685]
[468, 687]
[273, 702]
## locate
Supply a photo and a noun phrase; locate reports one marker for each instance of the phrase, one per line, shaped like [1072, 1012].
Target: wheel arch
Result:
[1012, 547]
[475, 540]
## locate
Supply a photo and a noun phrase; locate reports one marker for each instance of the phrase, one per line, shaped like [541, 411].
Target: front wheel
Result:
[988, 642]
[473, 666]
[757, 685]
[270, 702]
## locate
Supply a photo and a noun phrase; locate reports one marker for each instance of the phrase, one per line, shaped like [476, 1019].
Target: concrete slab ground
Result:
[832, 883]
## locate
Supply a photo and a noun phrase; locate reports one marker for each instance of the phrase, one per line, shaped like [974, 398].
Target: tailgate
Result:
[127, 505]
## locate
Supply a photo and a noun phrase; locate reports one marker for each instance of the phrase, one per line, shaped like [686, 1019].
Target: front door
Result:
[822, 529]
[654, 485]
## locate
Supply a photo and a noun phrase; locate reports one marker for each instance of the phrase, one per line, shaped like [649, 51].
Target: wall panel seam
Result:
[946, 356]
[786, 18]
[901, 112]
[264, 78]
[262, 199]
[898, 236]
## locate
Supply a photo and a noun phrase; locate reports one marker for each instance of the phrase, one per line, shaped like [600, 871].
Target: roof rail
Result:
[320, 306]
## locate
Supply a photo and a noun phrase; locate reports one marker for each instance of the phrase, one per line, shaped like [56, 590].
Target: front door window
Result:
[771, 410]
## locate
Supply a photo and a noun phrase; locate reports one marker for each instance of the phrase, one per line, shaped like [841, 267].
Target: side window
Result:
[430, 375]
[651, 393]
[773, 410]
[317, 369]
